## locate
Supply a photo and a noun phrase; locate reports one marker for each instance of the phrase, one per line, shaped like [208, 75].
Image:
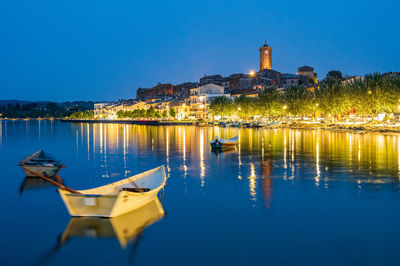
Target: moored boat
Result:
[41, 163]
[219, 143]
[116, 198]
[272, 124]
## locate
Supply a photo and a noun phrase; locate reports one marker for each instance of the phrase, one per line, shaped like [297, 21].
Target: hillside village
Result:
[191, 100]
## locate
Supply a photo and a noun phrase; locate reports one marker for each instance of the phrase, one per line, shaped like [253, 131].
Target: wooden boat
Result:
[125, 228]
[116, 198]
[219, 143]
[272, 124]
[41, 163]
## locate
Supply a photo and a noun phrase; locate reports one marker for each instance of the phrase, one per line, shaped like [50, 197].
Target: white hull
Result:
[48, 171]
[111, 200]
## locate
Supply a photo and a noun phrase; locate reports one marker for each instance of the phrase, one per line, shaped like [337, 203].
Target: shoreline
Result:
[339, 127]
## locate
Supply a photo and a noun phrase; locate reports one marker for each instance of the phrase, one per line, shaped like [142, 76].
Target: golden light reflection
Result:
[252, 182]
[202, 166]
[240, 161]
[398, 153]
[317, 169]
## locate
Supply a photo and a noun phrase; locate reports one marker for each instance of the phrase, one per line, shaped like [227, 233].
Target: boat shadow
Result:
[126, 228]
[33, 183]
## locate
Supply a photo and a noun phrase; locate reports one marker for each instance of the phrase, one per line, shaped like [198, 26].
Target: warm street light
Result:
[239, 109]
[317, 104]
[369, 92]
[284, 107]
[252, 73]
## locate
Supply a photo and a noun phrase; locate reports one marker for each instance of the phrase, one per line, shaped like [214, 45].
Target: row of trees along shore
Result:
[333, 98]
[149, 113]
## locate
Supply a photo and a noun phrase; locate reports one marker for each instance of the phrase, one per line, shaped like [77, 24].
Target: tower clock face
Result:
[266, 51]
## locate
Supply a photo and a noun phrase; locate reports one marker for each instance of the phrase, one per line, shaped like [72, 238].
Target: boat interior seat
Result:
[134, 189]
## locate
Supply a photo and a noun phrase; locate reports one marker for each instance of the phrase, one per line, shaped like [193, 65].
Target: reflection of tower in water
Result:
[266, 182]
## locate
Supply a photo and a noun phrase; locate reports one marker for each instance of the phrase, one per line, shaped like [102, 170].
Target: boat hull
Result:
[106, 205]
[220, 146]
[49, 171]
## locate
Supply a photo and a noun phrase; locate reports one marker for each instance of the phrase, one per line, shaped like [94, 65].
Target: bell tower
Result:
[265, 57]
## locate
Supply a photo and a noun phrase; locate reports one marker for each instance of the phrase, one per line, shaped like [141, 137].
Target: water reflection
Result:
[124, 228]
[331, 153]
[319, 156]
[32, 183]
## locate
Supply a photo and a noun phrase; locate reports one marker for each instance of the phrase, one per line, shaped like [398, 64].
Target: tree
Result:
[374, 94]
[158, 114]
[221, 106]
[333, 98]
[270, 102]
[246, 107]
[172, 112]
[164, 114]
[151, 113]
[334, 75]
[298, 100]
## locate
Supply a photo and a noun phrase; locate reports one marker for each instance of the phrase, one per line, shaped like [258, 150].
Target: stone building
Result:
[160, 91]
[215, 79]
[308, 72]
[182, 90]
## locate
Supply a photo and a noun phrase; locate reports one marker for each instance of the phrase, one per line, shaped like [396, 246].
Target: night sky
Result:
[105, 50]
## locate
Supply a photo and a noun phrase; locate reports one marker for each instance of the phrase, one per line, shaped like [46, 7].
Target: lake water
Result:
[283, 196]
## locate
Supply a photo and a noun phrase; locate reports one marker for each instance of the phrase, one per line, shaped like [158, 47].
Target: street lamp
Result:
[252, 73]
[369, 92]
[284, 107]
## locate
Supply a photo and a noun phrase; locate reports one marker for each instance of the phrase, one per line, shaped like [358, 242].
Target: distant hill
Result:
[21, 109]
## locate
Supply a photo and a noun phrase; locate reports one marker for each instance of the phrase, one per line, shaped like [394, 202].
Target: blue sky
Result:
[105, 50]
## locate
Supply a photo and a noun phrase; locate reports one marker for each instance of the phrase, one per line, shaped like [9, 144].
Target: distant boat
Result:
[219, 143]
[41, 163]
[125, 228]
[116, 198]
[272, 124]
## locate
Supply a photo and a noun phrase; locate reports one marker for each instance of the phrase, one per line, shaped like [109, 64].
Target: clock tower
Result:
[265, 57]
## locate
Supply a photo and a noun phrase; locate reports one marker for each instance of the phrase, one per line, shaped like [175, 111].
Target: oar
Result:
[51, 181]
[137, 187]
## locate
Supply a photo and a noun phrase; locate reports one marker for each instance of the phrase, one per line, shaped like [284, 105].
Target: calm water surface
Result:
[287, 197]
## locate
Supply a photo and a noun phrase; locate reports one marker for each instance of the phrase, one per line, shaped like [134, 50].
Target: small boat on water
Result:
[41, 163]
[116, 198]
[219, 143]
[272, 124]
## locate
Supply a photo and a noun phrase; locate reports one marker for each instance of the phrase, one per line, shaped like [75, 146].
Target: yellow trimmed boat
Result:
[116, 198]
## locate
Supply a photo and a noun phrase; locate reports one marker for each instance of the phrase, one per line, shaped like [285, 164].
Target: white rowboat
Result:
[116, 198]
